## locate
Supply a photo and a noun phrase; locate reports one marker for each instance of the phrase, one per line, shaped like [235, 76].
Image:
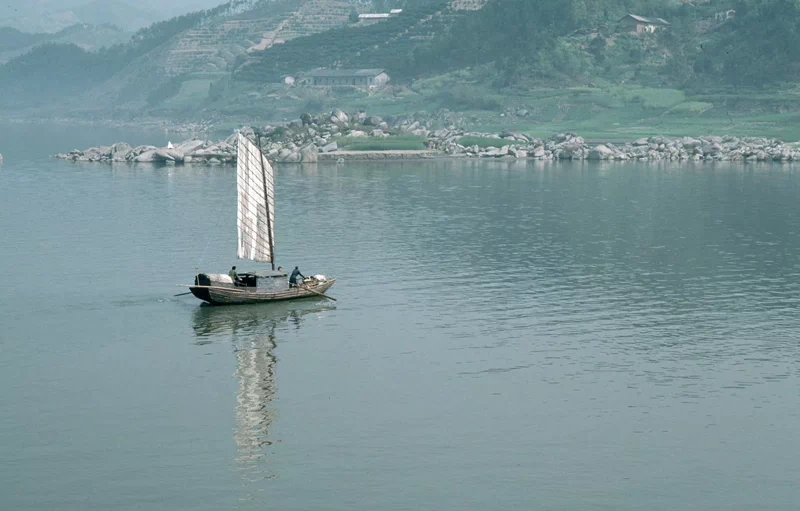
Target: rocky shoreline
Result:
[304, 140]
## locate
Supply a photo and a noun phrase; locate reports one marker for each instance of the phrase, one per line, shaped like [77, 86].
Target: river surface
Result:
[507, 336]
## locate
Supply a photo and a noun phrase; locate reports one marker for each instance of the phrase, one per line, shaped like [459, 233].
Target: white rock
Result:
[190, 146]
[146, 157]
[309, 154]
[168, 155]
[601, 152]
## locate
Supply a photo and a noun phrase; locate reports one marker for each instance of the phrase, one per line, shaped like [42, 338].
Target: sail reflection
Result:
[252, 332]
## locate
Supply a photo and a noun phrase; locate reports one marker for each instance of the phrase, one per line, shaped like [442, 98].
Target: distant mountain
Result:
[116, 12]
[37, 21]
[49, 16]
[14, 43]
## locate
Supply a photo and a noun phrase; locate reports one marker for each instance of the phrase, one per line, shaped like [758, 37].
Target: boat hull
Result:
[234, 296]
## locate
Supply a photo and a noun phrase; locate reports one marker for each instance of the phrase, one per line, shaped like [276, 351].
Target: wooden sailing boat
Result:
[256, 228]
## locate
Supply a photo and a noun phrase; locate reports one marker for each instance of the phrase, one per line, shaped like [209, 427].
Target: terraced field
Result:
[214, 47]
[467, 5]
[385, 45]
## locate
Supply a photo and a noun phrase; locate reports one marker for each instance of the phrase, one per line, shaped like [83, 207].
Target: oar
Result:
[184, 294]
[318, 293]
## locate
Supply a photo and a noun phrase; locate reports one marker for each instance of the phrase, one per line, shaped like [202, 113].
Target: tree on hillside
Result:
[761, 44]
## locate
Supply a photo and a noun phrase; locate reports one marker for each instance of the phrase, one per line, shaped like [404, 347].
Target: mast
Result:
[266, 201]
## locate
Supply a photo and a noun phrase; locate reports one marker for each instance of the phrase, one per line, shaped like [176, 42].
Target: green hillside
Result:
[55, 72]
[389, 44]
[14, 43]
[535, 65]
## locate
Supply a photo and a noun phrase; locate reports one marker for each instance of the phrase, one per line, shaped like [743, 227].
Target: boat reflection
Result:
[211, 321]
[252, 332]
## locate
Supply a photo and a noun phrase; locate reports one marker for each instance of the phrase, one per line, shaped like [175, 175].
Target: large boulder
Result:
[190, 146]
[120, 151]
[572, 151]
[138, 150]
[601, 152]
[97, 153]
[373, 121]
[146, 157]
[309, 154]
[329, 148]
[168, 156]
[338, 116]
[292, 158]
[413, 126]
[691, 143]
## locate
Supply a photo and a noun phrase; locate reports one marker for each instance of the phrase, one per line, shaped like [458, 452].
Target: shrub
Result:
[468, 98]
[165, 91]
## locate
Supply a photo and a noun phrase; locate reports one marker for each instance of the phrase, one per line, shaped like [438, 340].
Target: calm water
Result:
[507, 336]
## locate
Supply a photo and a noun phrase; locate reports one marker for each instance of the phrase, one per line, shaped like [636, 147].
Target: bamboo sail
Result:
[256, 213]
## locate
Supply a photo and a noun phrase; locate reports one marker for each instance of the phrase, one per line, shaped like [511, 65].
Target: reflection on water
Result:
[234, 322]
[251, 330]
[576, 335]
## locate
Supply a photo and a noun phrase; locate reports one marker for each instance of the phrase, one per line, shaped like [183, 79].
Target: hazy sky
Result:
[10, 8]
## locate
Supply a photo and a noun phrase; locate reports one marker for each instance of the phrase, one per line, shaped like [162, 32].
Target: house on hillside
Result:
[724, 15]
[374, 16]
[379, 16]
[640, 25]
[342, 77]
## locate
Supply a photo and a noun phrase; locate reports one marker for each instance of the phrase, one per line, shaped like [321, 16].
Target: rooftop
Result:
[642, 19]
[341, 73]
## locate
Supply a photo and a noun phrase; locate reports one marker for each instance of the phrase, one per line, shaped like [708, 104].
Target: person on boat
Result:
[293, 279]
[235, 276]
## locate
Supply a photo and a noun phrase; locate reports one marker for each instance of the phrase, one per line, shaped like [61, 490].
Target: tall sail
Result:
[256, 216]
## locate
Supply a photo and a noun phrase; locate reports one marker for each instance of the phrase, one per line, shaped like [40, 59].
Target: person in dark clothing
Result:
[235, 277]
[293, 279]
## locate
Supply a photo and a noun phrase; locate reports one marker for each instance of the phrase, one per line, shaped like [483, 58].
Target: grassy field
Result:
[629, 113]
[192, 92]
[398, 143]
[484, 142]
[602, 111]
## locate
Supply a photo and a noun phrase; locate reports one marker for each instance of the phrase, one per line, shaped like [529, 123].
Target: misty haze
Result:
[399, 254]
